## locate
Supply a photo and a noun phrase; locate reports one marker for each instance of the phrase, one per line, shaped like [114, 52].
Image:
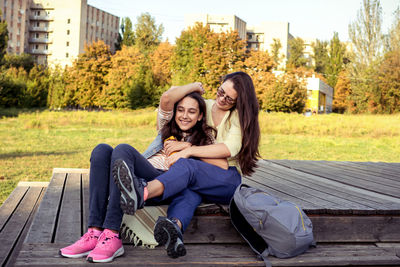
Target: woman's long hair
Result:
[247, 108]
[201, 134]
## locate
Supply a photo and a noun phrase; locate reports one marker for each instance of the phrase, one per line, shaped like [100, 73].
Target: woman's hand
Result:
[198, 87]
[175, 146]
[174, 157]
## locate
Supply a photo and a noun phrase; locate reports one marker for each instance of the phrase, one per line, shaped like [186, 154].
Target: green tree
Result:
[128, 35]
[23, 60]
[296, 54]
[367, 42]
[57, 84]
[287, 94]
[3, 37]
[147, 33]
[12, 87]
[394, 34]
[336, 56]
[321, 58]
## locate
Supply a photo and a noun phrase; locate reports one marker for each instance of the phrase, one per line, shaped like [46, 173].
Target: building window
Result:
[18, 44]
[69, 21]
[36, 47]
[36, 35]
[67, 32]
[46, 47]
[37, 24]
[66, 55]
[67, 43]
[47, 35]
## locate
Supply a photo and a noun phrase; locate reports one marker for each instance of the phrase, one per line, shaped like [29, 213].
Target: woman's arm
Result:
[176, 93]
[214, 151]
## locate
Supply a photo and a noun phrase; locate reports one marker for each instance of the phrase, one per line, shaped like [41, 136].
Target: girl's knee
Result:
[101, 151]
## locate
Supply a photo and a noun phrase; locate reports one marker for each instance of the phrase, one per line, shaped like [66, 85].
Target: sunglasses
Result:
[229, 100]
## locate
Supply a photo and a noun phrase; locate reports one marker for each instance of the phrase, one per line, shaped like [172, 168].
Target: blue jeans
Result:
[189, 182]
[104, 207]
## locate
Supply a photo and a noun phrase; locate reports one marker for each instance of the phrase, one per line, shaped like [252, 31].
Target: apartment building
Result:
[55, 32]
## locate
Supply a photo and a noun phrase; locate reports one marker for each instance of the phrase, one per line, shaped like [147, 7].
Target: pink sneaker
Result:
[83, 246]
[108, 247]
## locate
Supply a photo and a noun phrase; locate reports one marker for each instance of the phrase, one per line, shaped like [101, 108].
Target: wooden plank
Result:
[364, 168]
[31, 184]
[329, 188]
[219, 255]
[326, 195]
[22, 237]
[85, 201]
[356, 228]
[70, 170]
[356, 174]
[340, 177]
[11, 203]
[69, 228]
[303, 203]
[12, 230]
[44, 223]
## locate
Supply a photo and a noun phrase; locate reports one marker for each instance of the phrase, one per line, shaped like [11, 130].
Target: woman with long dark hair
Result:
[183, 118]
[234, 115]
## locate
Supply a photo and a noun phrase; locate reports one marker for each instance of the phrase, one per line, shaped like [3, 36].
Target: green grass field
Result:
[32, 143]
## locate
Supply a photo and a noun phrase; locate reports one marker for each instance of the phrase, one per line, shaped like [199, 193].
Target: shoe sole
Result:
[166, 234]
[123, 179]
[117, 253]
[74, 256]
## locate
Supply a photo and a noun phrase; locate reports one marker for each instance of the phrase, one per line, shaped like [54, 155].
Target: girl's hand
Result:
[174, 157]
[199, 87]
[175, 146]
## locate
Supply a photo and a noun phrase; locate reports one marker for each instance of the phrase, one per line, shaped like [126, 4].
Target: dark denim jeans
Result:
[104, 207]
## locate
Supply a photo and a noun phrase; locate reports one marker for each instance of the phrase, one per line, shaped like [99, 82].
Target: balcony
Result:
[41, 18]
[40, 29]
[40, 52]
[41, 40]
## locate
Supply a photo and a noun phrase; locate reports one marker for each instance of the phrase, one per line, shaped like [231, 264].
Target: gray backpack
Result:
[270, 226]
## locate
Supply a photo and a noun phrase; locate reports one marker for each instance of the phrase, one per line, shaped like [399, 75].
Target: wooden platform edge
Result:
[70, 170]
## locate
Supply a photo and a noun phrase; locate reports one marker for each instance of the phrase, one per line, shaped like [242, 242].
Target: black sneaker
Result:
[168, 233]
[131, 187]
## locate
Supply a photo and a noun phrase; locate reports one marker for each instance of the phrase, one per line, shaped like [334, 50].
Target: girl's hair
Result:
[247, 108]
[201, 134]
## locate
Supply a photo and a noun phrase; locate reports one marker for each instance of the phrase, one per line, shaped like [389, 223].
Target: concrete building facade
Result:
[55, 32]
[319, 96]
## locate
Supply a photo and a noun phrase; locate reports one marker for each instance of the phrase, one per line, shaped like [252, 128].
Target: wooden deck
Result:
[354, 207]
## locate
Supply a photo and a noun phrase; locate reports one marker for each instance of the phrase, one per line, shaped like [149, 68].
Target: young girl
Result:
[184, 118]
[234, 114]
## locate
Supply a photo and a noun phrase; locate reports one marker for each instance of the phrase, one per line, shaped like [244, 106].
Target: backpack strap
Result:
[264, 256]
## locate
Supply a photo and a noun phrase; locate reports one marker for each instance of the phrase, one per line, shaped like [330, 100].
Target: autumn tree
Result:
[203, 55]
[341, 93]
[259, 65]
[389, 83]
[161, 65]
[276, 47]
[85, 79]
[296, 54]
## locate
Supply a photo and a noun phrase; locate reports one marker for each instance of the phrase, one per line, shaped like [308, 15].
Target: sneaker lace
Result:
[87, 236]
[105, 238]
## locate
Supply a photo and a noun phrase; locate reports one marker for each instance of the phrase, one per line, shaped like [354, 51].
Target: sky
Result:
[307, 18]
